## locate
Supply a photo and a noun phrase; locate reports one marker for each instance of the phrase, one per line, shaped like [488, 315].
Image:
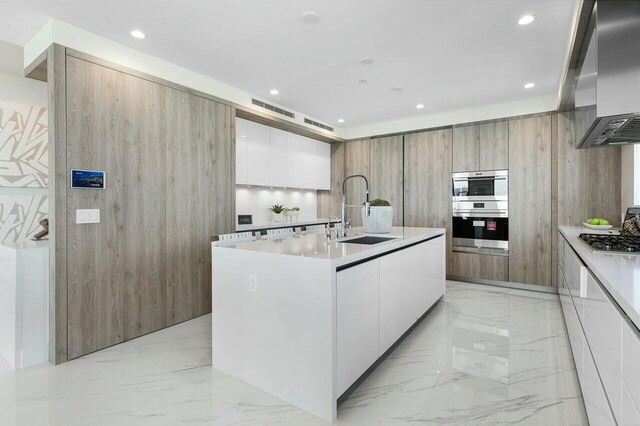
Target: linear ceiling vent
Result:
[320, 125]
[273, 108]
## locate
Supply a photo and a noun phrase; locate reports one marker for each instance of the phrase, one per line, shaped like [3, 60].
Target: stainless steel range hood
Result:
[608, 85]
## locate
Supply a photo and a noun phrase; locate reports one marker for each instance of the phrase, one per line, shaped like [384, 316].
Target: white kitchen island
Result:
[304, 317]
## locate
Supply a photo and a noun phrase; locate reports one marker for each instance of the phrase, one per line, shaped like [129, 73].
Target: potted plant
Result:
[380, 218]
[276, 211]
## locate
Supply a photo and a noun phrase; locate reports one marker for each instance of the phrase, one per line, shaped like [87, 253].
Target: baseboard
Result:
[506, 284]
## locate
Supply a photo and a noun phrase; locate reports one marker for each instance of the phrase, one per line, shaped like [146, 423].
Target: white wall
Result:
[255, 201]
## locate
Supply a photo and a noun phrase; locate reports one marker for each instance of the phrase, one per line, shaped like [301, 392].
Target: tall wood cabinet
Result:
[427, 181]
[481, 147]
[530, 224]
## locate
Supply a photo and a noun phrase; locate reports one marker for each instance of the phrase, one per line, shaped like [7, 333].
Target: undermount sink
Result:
[367, 239]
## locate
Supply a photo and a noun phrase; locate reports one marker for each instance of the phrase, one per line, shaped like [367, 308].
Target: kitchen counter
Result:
[276, 225]
[302, 317]
[316, 245]
[618, 273]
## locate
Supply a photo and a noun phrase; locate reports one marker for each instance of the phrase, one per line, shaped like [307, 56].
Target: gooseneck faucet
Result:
[367, 210]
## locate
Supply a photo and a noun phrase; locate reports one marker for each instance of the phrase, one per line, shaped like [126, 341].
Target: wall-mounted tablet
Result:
[88, 179]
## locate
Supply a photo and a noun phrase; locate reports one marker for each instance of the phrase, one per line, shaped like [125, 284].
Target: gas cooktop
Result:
[612, 243]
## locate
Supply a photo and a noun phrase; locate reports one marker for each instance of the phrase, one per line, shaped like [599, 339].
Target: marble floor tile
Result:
[483, 356]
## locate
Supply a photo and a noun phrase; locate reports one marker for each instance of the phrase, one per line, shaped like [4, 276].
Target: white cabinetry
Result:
[357, 302]
[272, 157]
[278, 164]
[324, 166]
[242, 152]
[258, 153]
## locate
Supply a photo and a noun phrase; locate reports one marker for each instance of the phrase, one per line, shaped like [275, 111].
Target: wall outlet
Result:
[84, 216]
[253, 283]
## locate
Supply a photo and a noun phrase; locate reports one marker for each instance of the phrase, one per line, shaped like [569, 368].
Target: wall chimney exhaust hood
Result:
[608, 83]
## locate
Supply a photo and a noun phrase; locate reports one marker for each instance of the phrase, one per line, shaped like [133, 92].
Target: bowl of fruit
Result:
[598, 223]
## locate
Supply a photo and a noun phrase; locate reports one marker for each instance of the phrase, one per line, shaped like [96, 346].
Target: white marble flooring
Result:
[484, 356]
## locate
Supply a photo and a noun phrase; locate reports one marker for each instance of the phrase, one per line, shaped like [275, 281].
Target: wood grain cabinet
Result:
[530, 200]
[481, 147]
[482, 266]
[385, 173]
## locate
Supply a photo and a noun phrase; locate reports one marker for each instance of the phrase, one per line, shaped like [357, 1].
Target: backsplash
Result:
[257, 200]
[24, 170]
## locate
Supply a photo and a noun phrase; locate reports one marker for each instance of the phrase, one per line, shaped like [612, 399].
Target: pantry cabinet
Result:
[481, 147]
[266, 156]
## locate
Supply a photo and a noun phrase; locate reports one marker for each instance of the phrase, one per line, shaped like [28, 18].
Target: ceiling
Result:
[446, 54]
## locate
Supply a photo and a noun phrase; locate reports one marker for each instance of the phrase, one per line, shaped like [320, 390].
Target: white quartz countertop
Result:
[618, 273]
[316, 245]
[273, 225]
[25, 245]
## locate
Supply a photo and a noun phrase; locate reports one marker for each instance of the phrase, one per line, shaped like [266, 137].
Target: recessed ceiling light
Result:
[529, 85]
[310, 17]
[526, 19]
[137, 34]
[340, 120]
[420, 106]
[396, 89]
[362, 81]
[274, 91]
[366, 60]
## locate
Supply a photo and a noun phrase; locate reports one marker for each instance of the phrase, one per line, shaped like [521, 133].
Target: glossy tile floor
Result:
[484, 356]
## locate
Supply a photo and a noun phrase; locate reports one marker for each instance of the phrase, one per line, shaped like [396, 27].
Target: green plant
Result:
[277, 208]
[379, 203]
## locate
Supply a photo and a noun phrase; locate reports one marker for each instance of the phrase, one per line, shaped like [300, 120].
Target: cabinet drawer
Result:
[631, 360]
[480, 266]
[575, 274]
[629, 410]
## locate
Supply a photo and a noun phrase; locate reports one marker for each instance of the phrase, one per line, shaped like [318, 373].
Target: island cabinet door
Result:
[358, 306]
[403, 292]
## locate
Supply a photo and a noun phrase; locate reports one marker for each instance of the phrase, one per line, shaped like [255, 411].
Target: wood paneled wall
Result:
[169, 156]
[330, 202]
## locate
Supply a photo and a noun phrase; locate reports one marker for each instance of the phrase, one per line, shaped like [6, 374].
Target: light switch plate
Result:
[84, 216]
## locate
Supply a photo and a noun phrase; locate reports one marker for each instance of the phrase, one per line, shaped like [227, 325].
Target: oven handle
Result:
[465, 179]
[500, 214]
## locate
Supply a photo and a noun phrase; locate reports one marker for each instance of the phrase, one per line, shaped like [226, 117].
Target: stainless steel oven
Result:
[481, 186]
[481, 212]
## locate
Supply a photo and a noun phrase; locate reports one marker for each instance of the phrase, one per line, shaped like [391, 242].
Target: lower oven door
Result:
[488, 235]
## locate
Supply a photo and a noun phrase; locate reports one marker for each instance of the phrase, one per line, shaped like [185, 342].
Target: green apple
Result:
[594, 221]
[603, 222]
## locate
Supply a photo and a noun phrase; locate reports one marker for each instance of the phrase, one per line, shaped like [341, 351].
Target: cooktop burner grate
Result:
[613, 243]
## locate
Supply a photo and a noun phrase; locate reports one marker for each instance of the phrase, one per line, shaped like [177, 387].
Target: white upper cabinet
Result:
[259, 147]
[266, 156]
[294, 164]
[242, 153]
[324, 165]
[309, 163]
[278, 164]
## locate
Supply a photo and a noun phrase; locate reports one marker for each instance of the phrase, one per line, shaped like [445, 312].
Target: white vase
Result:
[379, 221]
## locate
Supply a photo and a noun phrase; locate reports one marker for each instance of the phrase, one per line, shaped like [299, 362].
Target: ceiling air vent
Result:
[320, 125]
[273, 108]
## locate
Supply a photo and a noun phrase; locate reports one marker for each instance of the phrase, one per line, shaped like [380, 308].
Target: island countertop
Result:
[338, 252]
[618, 273]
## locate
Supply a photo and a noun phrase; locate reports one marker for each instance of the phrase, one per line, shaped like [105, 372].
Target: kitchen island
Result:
[304, 317]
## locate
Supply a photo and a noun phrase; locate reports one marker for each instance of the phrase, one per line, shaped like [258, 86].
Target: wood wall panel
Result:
[427, 181]
[144, 193]
[330, 202]
[530, 200]
[386, 170]
[96, 117]
[356, 154]
[170, 162]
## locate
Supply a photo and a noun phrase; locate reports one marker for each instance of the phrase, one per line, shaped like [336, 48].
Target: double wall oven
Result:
[481, 212]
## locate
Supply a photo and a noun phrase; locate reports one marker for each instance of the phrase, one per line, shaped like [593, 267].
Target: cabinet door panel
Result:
[357, 301]
[631, 360]
[324, 165]
[480, 266]
[385, 173]
[356, 154]
[294, 160]
[530, 200]
[466, 145]
[241, 151]
[278, 164]
[309, 163]
[258, 158]
[493, 151]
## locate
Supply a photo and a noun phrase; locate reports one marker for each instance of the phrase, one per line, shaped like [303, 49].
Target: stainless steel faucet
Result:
[367, 209]
[328, 231]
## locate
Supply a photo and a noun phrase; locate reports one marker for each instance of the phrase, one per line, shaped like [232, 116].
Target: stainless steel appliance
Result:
[490, 185]
[481, 212]
[608, 76]
[616, 244]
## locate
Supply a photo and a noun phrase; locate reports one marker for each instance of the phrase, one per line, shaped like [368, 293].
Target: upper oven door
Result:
[476, 186]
